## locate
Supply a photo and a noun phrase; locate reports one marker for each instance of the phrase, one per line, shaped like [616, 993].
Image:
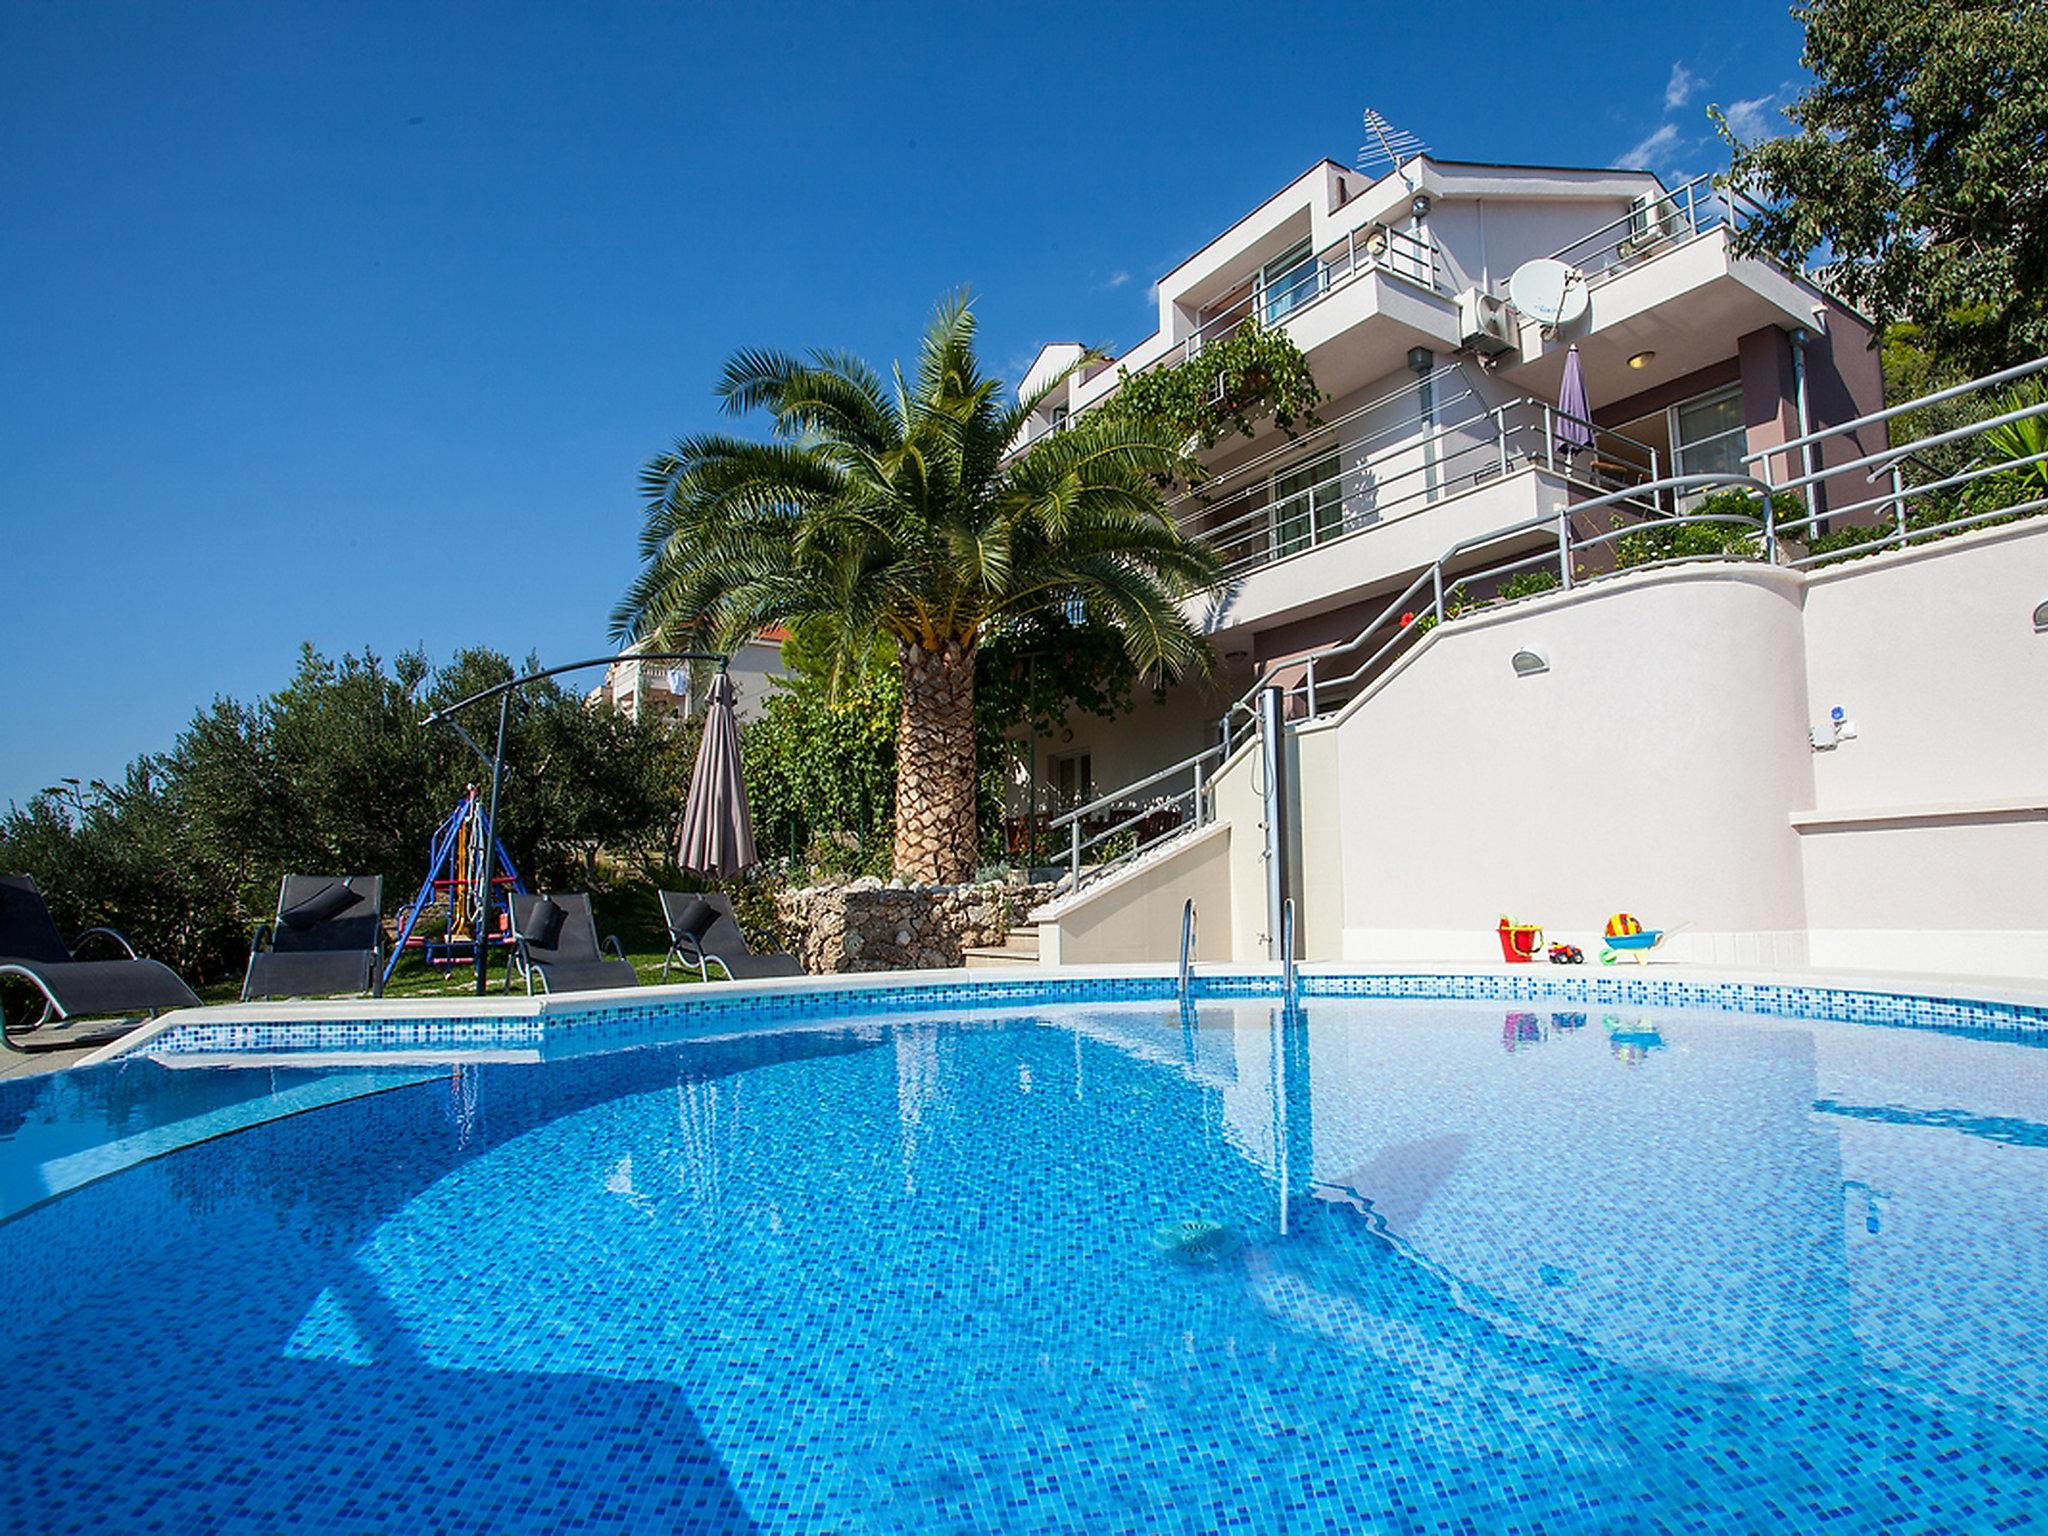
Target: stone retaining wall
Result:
[865, 925]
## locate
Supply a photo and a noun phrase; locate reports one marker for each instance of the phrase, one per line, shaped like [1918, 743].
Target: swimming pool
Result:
[1384, 1264]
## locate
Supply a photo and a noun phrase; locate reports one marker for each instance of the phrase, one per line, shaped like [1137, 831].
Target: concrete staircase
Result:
[1020, 948]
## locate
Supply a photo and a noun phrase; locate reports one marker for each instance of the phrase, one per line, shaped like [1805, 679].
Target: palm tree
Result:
[896, 509]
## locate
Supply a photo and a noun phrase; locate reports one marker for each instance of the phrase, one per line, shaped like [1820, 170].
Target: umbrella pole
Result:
[483, 900]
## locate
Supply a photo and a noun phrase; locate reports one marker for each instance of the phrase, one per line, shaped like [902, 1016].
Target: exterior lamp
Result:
[2041, 617]
[1642, 359]
[1529, 663]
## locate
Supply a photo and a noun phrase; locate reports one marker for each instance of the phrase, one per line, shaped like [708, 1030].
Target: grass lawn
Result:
[632, 912]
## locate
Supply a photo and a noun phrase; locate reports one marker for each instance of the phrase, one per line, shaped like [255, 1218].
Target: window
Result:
[1307, 505]
[1288, 281]
[1708, 437]
[1059, 417]
[1073, 779]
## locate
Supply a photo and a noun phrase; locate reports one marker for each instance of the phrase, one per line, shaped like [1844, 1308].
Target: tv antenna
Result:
[1388, 144]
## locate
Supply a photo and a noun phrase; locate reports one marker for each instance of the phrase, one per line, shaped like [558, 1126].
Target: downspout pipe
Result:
[1800, 340]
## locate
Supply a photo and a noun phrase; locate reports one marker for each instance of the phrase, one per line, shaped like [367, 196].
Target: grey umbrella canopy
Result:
[718, 835]
[1574, 415]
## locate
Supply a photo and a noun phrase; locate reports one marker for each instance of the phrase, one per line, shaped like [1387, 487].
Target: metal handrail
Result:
[1435, 574]
[1481, 446]
[1135, 787]
[1697, 207]
[1937, 397]
[1187, 947]
[1290, 986]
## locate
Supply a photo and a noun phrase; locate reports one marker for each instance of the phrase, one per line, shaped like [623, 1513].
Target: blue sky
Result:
[352, 324]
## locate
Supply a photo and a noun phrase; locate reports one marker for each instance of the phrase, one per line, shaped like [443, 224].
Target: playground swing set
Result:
[441, 922]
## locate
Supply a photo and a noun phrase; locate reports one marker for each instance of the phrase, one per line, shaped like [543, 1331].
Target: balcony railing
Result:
[1397, 468]
[1655, 226]
[1379, 249]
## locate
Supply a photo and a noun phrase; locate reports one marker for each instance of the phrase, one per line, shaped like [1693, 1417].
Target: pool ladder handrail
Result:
[1290, 985]
[1187, 948]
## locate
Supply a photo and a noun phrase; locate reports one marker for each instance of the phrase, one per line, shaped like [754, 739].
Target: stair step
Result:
[1021, 948]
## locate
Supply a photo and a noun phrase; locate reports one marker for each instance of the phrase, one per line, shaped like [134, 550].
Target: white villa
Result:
[1795, 763]
[634, 687]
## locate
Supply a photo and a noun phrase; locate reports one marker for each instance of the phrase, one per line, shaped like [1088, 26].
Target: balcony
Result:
[1381, 290]
[1316, 521]
[1667, 278]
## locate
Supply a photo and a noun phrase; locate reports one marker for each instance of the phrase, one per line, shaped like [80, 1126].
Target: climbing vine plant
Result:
[1231, 385]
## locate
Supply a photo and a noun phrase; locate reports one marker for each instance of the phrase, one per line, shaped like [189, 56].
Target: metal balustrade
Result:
[1654, 227]
[1253, 526]
[1380, 249]
[1329, 678]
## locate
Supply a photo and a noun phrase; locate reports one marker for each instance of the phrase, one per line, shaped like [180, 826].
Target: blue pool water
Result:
[1393, 1266]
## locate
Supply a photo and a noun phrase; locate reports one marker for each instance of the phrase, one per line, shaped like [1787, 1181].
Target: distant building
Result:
[663, 689]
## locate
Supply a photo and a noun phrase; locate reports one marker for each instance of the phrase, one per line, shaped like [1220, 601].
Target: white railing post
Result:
[1500, 433]
[1311, 681]
[1199, 818]
[1436, 583]
[1771, 528]
[1549, 439]
[1074, 855]
[1564, 547]
[1899, 502]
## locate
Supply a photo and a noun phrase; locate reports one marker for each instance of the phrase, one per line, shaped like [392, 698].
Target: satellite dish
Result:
[1548, 291]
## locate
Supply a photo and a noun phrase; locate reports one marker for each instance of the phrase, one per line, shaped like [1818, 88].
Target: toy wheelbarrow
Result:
[1638, 944]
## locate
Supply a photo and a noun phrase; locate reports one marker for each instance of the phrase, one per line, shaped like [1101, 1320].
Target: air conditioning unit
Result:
[1486, 325]
[1652, 220]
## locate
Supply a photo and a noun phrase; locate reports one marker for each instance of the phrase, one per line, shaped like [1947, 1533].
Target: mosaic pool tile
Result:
[1424, 1264]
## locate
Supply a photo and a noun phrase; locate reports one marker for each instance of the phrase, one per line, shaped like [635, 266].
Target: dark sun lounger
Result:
[31, 948]
[702, 933]
[555, 940]
[328, 939]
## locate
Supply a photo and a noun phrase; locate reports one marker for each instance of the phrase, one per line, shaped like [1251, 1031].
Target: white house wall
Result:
[1652, 768]
[1930, 836]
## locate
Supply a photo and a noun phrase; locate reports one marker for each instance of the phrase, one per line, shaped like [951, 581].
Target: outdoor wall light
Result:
[2041, 617]
[1528, 663]
[1642, 359]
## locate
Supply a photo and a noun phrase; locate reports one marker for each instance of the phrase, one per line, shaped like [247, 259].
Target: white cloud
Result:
[1752, 120]
[1680, 88]
[1118, 278]
[1651, 152]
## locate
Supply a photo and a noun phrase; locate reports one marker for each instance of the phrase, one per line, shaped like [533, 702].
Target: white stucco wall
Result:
[1931, 827]
[1653, 768]
[1933, 654]
[1136, 915]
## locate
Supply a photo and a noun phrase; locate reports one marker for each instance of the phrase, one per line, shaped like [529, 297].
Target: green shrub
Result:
[1675, 540]
[1527, 584]
[1229, 386]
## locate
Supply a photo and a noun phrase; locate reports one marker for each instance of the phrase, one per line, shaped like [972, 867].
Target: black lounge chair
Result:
[555, 939]
[702, 932]
[31, 948]
[328, 939]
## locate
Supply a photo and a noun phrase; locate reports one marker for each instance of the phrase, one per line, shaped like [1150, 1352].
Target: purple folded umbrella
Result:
[718, 834]
[1574, 415]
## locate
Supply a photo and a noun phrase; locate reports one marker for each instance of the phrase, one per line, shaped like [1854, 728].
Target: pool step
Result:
[1020, 948]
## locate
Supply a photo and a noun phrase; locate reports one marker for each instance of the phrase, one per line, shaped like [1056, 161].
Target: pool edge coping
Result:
[2013, 993]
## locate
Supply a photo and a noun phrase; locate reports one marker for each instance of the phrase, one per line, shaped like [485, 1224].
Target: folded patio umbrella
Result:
[1574, 415]
[718, 835]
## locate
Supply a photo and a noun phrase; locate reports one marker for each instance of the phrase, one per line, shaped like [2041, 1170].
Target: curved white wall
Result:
[1652, 768]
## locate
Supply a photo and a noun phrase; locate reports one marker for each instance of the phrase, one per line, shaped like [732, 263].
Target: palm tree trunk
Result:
[935, 832]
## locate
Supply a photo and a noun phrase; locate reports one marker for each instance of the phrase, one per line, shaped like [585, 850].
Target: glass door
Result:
[1708, 437]
[1307, 506]
[1288, 281]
